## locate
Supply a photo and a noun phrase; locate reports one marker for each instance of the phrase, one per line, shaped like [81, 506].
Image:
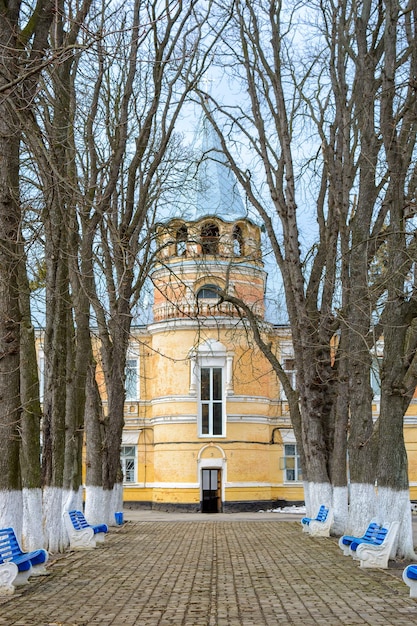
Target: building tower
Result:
[212, 395]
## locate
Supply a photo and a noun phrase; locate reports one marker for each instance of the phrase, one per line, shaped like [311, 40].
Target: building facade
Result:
[207, 426]
[210, 430]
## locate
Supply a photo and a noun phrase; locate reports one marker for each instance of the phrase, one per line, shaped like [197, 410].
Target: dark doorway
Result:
[211, 492]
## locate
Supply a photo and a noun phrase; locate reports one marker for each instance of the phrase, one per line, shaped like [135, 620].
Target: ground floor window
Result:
[292, 467]
[128, 461]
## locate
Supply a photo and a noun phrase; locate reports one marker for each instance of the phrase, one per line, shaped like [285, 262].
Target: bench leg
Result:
[22, 577]
[81, 539]
[39, 570]
[8, 574]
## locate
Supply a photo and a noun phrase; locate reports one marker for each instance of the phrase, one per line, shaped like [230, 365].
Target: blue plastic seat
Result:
[375, 540]
[370, 532]
[411, 572]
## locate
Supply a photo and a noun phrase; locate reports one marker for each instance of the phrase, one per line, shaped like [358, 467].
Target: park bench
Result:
[82, 535]
[346, 540]
[376, 551]
[410, 579]
[15, 565]
[320, 525]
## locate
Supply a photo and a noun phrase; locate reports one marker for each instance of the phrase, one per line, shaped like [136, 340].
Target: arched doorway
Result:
[212, 471]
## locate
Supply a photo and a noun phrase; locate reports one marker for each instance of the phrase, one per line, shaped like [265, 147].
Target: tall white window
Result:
[128, 461]
[132, 374]
[292, 467]
[211, 401]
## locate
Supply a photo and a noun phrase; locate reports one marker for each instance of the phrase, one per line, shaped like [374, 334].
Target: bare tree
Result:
[352, 94]
[23, 43]
[146, 92]
[49, 135]
[104, 144]
[257, 58]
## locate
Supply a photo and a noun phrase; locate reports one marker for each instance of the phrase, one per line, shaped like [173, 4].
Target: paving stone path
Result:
[210, 573]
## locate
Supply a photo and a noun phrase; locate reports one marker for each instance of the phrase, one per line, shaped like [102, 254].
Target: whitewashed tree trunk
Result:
[108, 507]
[306, 487]
[116, 502]
[395, 506]
[33, 536]
[319, 493]
[55, 535]
[72, 499]
[362, 507]
[95, 505]
[11, 510]
[341, 510]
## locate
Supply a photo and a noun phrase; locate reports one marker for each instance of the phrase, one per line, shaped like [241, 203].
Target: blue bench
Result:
[346, 540]
[82, 535]
[27, 563]
[376, 551]
[410, 579]
[319, 525]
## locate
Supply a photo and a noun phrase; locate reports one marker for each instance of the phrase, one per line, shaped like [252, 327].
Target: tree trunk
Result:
[10, 404]
[30, 451]
[95, 502]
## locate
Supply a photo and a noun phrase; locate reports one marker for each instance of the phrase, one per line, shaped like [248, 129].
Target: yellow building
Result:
[209, 430]
[207, 427]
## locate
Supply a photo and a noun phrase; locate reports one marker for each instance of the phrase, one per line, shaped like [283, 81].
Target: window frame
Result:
[210, 354]
[287, 357]
[124, 458]
[237, 236]
[181, 239]
[132, 355]
[209, 288]
[296, 469]
[213, 402]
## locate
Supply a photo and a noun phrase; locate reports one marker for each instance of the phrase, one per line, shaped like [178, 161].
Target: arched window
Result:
[209, 239]
[237, 241]
[208, 291]
[181, 237]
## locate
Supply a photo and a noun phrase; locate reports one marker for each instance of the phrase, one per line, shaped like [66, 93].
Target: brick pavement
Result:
[210, 573]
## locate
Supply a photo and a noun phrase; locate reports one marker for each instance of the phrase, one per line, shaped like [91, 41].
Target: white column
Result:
[229, 374]
[193, 375]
